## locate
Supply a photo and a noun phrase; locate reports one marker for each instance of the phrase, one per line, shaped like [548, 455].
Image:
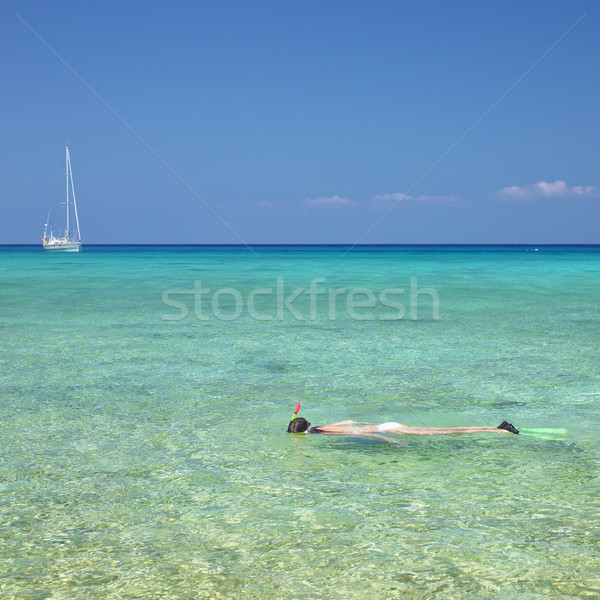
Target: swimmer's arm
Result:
[343, 428]
[348, 422]
[345, 431]
[335, 428]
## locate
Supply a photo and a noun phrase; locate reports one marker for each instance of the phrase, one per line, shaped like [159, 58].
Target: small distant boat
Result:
[71, 241]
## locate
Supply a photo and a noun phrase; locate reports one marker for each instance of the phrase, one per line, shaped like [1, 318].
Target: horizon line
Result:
[326, 244]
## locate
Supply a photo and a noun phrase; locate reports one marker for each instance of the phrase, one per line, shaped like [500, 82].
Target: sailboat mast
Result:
[66, 242]
[68, 169]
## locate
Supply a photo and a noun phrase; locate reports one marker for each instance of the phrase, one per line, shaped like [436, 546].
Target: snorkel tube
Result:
[296, 410]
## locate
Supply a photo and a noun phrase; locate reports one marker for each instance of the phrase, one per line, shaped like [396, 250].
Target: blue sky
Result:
[303, 122]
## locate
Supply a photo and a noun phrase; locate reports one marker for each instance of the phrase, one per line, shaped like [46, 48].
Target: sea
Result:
[145, 394]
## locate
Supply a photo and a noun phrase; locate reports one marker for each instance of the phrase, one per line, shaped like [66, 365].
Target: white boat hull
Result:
[64, 247]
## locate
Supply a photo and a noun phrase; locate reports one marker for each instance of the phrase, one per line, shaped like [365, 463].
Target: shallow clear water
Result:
[144, 452]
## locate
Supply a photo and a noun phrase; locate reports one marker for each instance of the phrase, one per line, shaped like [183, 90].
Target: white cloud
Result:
[334, 201]
[389, 199]
[385, 199]
[321, 202]
[544, 189]
[268, 204]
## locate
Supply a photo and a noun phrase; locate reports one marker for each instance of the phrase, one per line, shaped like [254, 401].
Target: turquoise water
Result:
[144, 452]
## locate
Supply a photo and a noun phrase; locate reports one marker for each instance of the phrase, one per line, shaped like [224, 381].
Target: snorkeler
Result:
[300, 425]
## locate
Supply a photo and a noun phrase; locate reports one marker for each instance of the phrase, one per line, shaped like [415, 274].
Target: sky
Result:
[311, 122]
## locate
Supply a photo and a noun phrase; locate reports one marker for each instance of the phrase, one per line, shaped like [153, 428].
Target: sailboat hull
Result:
[63, 247]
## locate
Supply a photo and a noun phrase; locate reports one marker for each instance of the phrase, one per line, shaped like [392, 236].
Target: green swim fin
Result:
[545, 433]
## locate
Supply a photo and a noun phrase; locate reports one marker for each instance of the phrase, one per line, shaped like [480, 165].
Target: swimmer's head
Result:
[298, 425]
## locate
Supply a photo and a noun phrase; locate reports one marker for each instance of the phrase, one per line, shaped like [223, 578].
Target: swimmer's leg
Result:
[447, 430]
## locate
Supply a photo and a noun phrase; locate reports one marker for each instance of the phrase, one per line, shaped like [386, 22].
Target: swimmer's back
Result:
[389, 426]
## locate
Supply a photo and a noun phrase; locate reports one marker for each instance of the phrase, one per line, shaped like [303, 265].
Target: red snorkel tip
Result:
[296, 410]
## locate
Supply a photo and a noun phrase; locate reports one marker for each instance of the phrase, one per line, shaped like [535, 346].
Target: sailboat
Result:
[71, 241]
